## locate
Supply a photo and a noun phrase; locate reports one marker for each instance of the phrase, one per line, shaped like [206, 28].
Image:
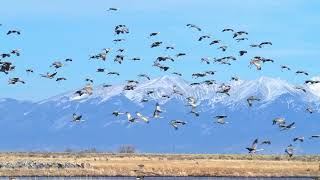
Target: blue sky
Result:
[55, 30]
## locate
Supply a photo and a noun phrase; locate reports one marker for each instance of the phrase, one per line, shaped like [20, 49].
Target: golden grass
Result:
[100, 164]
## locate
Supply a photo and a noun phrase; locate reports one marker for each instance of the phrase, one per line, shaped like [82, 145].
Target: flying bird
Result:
[300, 138]
[15, 80]
[76, 118]
[221, 119]
[289, 150]
[253, 149]
[175, 123]
[251, 99]
[157, 111]
[194, 27]
[142, 117]
[49, 75]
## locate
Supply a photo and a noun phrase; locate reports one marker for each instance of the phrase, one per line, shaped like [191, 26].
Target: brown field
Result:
[101, 164]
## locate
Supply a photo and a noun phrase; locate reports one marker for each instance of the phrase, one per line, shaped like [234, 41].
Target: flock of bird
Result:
[120, 31]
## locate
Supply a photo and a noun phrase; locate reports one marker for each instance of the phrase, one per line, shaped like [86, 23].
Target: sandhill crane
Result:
[56, 64]
[268, 142]
[142, 117]
[223, 48]
[88, 89]
[161, 66]
[251, 99]
[224, 89]
[239, 33]
[285, 67]
[242, 52]
[164, 58]
[14, 32]
[15, 80]
[289, 150]
[144, 100]
[302, 72]
[241, 39]
[121, 29]
[310, 110]
[194, 84]
[165, 96]
[175, 123]
[156, 44]
[133, 81]
[176, 73]
[129, 87]
[117, 113]
[205, 60]
[200, 74]
[301, 139]
[6, 67]
[144, 76]
[175, 91]
[136, 59]
[118, 40]
[300, 88]
[121, 50]
[253, 149]
[265, 43]
[287, 127]
[130, 118]
[221, 119]
[215, 42]
[194, 26]
[157, 111]
[89, 80]
[311, 82]
[279, 121]
[61, 79]
[107, 85]
[169, 47]
[256, 62]
[16, 52]
[113, 73]
[113, 9]
[49, 75]
[204, 37]
[227, 29]
[5, 55]
[118, 58]
[314, 136]
[29, 70]
[154, 34]
[234, 78]
[76, 118]
[193, 111]
[255, 45]
[209, 82]
[264, 60]
[180, 54]
[100, 70]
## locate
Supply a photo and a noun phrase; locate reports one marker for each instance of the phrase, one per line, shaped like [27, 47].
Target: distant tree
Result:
[68, 150]
[90, 150]
[127, 148]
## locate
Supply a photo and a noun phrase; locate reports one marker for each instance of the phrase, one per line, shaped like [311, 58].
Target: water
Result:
[155, 178]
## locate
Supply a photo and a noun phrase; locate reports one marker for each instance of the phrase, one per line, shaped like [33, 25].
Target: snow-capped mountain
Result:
[47, 124]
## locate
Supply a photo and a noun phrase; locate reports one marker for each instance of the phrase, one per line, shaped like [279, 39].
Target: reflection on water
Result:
[150, 178]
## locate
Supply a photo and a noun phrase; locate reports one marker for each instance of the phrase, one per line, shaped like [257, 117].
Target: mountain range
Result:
[46, 125]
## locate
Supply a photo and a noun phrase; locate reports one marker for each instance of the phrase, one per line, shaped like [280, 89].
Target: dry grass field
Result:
[100, 164]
